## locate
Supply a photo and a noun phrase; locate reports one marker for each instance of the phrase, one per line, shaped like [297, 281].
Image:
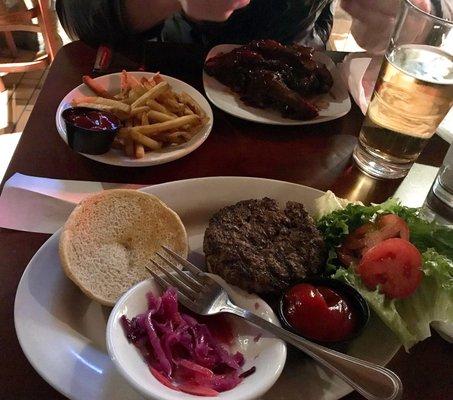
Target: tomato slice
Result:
[395, 265]
[369, 235]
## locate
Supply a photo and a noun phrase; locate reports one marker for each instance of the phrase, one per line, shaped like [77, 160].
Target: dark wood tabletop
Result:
[315, 155]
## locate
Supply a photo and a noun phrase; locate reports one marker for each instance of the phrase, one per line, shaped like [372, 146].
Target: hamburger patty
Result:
[260, 248]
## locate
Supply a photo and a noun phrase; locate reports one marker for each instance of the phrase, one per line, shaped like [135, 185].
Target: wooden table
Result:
[314, 155]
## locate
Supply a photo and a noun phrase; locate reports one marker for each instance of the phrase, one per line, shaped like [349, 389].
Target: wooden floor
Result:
[16, 103]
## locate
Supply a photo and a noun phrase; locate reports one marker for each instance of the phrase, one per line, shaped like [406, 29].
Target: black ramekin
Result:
[354, 298]
[90, 141]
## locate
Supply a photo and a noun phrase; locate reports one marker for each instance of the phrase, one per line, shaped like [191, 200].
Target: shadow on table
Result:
[354, 185]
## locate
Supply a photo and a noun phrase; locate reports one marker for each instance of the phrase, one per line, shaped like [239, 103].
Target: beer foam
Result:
[424, 62]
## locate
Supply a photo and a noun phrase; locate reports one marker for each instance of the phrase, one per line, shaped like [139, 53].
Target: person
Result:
[210, 22]
[373, 21]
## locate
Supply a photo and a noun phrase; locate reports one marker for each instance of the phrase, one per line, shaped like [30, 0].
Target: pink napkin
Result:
[42, 205]
[360, 71]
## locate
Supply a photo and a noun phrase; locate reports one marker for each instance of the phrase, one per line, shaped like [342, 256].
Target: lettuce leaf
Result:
[408, 318]
[342, 220]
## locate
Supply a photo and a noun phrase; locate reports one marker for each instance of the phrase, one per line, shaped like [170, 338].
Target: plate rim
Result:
[133, 162]
[289, 122]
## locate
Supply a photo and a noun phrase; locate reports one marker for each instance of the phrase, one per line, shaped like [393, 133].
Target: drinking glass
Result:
[439, 202]
[413, 93]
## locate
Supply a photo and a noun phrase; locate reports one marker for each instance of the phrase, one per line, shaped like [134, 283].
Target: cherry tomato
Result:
[395, 265]
[319, 313]
[369, 235]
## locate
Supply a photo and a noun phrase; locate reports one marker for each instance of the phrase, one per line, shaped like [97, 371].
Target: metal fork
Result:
[203, 295]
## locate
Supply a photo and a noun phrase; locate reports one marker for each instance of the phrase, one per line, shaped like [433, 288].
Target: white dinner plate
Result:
[111, 83]
[62, 332]
[338, 100]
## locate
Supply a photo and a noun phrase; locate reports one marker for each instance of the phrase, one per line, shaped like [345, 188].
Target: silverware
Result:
[203, 295]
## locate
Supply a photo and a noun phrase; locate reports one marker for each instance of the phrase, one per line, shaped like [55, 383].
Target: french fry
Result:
[177, 137]
[145, 120]
[139, 110]
[147, 83]
[157, 78]
[102, 107]
[123, 133]
[133, 81]
[172, 105]
[139, 150]
[96, 87]
[185, 98]
[124, 82]
[144, 140]
[188, 111]
[158, 116]
[150, 94]
[154, 105]
[115, 104]
[136, 92]
[149, 130]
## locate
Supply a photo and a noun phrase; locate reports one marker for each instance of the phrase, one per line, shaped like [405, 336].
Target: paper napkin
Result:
[42, 205]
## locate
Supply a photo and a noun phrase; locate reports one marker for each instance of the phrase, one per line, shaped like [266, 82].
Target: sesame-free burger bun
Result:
[111, 236]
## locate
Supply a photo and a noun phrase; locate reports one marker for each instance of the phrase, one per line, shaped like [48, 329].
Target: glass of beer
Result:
[413, 93]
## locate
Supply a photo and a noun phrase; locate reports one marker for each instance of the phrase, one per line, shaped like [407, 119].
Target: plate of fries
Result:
[163, 118]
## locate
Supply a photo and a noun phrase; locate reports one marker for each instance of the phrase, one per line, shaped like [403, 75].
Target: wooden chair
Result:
[22, 21]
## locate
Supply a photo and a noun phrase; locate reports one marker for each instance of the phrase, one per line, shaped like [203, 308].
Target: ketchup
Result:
[93, 120]
[319, 313]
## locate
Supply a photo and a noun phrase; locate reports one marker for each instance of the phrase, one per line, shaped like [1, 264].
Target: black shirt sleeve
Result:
[323, 24]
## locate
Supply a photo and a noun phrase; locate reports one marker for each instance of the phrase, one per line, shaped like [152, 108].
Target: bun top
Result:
[111, 236]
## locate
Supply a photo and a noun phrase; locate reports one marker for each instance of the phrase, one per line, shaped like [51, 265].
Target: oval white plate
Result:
[62, 332]
[228, 101]
[111, 83]
[267, 354]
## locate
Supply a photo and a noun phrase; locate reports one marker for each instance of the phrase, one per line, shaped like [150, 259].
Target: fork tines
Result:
[188, 285]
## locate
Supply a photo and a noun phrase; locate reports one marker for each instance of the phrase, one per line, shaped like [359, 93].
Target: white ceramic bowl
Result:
[116, 157]
[267, 354]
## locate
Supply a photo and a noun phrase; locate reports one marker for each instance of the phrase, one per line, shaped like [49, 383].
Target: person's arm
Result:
[373, 21]
[323, 25]
[142, 15]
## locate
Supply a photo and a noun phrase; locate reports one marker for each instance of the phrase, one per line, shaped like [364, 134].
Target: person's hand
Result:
[373, 21]
[211, 10]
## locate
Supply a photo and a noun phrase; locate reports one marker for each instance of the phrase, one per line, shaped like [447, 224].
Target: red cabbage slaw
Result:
[180, 352]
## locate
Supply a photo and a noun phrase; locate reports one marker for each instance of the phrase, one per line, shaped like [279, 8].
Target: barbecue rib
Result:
[267, 74]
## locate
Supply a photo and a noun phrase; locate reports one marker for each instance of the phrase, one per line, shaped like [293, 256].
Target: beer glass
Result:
[413, 93]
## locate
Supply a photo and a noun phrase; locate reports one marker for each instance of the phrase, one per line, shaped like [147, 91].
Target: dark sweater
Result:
[307, 22]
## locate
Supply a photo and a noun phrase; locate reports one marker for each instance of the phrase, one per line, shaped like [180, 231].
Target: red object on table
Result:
[314, 155]
[319, 313]
[103, 59]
